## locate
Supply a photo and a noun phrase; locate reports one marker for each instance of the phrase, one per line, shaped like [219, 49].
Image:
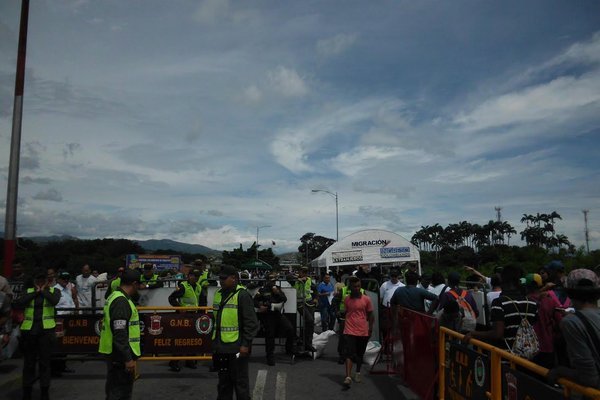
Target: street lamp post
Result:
[335, 196]
[257, 229]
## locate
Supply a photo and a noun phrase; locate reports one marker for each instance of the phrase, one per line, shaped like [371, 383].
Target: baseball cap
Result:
[227, 270]
[64, 275]
[583, 279]
[394, 272]
[555, 265]
[148, 266]
[130, 276]
[532, 280]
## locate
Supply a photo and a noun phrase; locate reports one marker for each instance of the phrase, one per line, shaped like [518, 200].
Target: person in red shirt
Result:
[357, 329]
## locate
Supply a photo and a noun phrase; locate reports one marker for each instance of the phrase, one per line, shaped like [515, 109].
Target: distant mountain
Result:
[48, 239]
[178, 247]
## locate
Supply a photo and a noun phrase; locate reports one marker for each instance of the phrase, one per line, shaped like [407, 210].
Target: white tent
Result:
[371, 246]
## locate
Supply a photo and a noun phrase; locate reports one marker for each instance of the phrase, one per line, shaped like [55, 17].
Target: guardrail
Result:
[473, 383]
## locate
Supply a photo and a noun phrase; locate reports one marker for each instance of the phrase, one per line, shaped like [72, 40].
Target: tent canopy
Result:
[256, 264]
[371, 246]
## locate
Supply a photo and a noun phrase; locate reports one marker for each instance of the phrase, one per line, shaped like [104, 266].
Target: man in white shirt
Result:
[68, 294]
[85, 283]
[387, 289]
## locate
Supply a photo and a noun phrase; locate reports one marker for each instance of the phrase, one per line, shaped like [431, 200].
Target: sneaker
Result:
[347, 382]
[358, 377]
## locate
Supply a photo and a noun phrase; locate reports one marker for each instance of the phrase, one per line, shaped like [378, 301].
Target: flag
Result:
[273, 242]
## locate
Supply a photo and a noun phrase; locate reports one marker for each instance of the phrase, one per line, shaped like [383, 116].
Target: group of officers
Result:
[236, 320]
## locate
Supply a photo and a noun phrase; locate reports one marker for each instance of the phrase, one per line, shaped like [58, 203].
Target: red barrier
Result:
[416, 360]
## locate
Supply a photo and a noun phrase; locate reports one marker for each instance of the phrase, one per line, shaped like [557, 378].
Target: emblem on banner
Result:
[479, 372]
[60, 328]
[204, 325]
[98, 327]
[155, 328]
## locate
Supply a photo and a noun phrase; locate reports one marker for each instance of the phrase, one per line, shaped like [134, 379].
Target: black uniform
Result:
[38, 342]
[273, 320]
[119, 382]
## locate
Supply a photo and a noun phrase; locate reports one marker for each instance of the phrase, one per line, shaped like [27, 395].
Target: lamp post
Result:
[335, 196]
[257, 229]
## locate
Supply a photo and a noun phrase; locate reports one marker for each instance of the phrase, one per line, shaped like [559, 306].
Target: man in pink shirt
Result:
[357, 329]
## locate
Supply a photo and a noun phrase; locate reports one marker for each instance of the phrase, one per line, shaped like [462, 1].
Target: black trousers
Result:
[308, 324]
[37, 348]
[119, 381]
[233, 375]
[341, 347]
[274, 323]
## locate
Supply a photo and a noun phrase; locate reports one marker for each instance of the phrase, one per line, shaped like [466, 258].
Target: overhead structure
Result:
[257, 264]
[371, 246]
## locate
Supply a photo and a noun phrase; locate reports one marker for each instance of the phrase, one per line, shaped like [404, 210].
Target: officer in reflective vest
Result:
[200, 265]
[306, 300]
[186, 295]
[37, 331]
[235, 325]
[150, 280]
[120, 337]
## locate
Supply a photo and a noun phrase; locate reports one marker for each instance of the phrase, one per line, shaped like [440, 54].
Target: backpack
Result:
[469, 319]
[526, 343]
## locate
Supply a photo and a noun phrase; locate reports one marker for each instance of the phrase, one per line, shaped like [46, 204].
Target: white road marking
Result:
[280, 386]
[259, 386]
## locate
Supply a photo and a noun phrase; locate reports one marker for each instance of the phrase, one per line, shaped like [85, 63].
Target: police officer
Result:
[306, 299]
[120, 337]
[268, 302]
[235, 327]
[202, 281]
[186, 295]
[37, 331]
[150, 280]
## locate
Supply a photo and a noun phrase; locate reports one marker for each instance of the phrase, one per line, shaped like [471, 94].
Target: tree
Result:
[313, 246]
[238, 257]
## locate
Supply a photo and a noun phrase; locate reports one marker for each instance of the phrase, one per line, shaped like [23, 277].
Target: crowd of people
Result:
[561, 310]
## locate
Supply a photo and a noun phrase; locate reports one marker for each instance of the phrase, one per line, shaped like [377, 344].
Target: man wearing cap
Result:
[38, 302]
[120, 337]
[149, 280]
[269, 301]
[582, 330]
[235, 327]
[306, 305]
[186, 295]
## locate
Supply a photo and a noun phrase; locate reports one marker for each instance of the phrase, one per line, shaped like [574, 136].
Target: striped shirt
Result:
[510, 308]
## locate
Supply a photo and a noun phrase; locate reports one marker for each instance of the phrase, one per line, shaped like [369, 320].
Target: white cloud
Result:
[252, 94]
[287, 82]
[210, 11]
[554, 100]
[350, 163]
[49, 195]
[289, 150]
[336, 45]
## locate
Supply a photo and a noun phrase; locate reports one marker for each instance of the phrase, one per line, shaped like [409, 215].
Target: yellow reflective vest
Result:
[226, 319]
[190, 296]
[106, 336]
[48, 321]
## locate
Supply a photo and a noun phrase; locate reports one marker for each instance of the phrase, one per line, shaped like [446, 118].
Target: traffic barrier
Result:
[167, 335]
[490, 372]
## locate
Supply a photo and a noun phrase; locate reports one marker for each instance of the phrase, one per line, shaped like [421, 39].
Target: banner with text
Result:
[467, 372]
[177, 334]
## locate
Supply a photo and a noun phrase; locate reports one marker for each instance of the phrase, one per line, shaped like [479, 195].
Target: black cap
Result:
[394, 272]
[194, 272]
[130, 276]
[148, 266]
[64, 275]
[228, 270]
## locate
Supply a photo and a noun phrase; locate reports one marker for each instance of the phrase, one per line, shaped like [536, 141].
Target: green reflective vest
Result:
[47, 313]
[144, 280]
[106, 336]
[346, 293]
[190, 296]
[227, 318]
[304, 290]
[203, 280]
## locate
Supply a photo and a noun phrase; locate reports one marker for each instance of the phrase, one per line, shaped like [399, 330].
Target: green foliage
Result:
[238, 257]
[312, 246]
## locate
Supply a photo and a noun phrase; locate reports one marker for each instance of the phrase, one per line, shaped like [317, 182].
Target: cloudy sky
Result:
[198, 121]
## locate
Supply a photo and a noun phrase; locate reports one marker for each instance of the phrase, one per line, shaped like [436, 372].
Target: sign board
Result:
[520, 386]
[467, 372]
[394, 252]
[78, 334]
[160, 262]
[177, 334]
[346, 256]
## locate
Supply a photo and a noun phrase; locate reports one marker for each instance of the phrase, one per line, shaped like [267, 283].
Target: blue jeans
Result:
[327, 317]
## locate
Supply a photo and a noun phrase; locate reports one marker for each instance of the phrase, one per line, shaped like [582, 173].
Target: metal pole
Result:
[257, 228]
[337, 229]
[587, 234]
[10, 227]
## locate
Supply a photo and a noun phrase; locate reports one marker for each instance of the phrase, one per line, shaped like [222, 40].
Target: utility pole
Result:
[587, 233]
[498, 213]
[257, 230]
[12, 189]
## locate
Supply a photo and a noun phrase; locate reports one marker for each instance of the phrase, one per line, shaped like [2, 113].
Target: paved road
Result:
[305, 379]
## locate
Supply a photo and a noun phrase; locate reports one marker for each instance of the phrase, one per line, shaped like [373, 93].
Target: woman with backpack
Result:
[512, 318]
